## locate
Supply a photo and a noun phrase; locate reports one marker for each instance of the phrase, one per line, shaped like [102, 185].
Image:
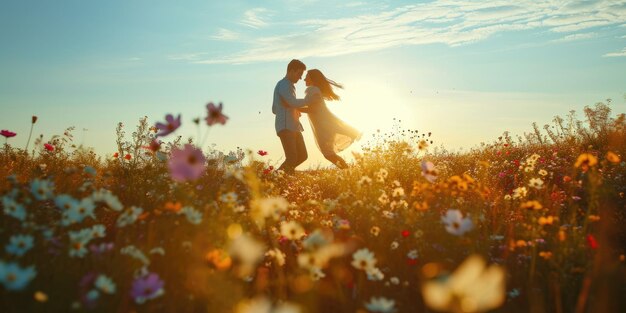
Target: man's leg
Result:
[300, 148]
[288, 140]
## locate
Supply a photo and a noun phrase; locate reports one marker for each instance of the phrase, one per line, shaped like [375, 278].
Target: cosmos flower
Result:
[429, 171]
[187, 163]
[106, 196]
[7, 134]
[292, 230]
[520, 192]
[473, 287]
[105, 284]
[270, 207]
[129, 216]
[612, 157]
[170, 125]
[147, 288]
[41, 188]
[536, 183]
[363, 259]
[13, 209]
[19, 244]
[215, 114]
[248, 251]
[14, 277]
[455, 223]
[262, 152]
[48, 147]
[193, 216]
[79, 211]
[381, 304]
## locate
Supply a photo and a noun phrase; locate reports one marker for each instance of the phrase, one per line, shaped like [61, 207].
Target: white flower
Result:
[108, 198]
[135, 253]
[277, 255]
[292, 230]
[129, 216]
[229, 197]
[374, 274]
[248, 251]
[394, 245]
[412, 254]
[193, 216]
[41, 189]
[364, 181]
[383, 199]
[536, 183]
[398, 192]
[381, 304]
[315, 240]
[363, 259]
[473, 287]
[260, 209]
[455, 223]
[429, 171]
[105, 284]
[519, 192]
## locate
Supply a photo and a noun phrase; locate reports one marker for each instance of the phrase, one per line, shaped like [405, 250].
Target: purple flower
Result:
[170, 126]
[215, 114]
[147, 287]
[187, 164]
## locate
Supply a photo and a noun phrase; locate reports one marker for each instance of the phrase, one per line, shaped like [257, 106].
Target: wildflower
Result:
[19, 244]
[381, 304]
[248, 251]
[519, 192]
[13, 209]
[267, 207]
[193, 216]
[375, 230]
[531, 205]
[315, 240]
[585, 161]
[543, 172]
[429, 171]
[48, 147]
[420, 206]
[135, 253]
[187, 164]
[292, 230]
[219, 259]
[108, 198]
[262, 153]
[546, 220]
[455, 223]
[405, 233]
[7, 134]
[422, 145]
[79, 211]
[41, 189]
[383, 199]
[412, 254]
[116, 155]
[545, 254]
[612, 157]
[79, 241]
[536, 183]
[229, 197]
[40, 296]
[473, 287]
[215, 114]
[592, 242]
[374, 274]
[364, 181]
[14, 277]
[394, 245]
[171, 124]
[147, 287]
[363, 259]
[398, 192]
[507, 197]
[128, 216]
[105, 284]
[127, 157]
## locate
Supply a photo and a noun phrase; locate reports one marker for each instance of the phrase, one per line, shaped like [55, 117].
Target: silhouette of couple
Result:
[332, 135]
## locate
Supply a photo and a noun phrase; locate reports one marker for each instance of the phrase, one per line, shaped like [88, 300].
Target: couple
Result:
[332, 135]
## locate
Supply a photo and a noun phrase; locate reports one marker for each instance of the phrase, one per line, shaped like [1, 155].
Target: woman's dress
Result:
[332, 135]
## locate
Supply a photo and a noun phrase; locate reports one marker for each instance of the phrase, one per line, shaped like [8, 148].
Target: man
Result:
[287, 122]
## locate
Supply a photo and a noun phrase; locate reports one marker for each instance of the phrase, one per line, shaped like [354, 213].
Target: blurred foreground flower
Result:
[170, 125]
[381, 304]
[13, 277]
[585, 161]
[455, 223]
[263, 305]
[215, 114]
[187, 164]
[7, 134]
[147, 287]
[48, 147]
[429, 171]
[473, 287]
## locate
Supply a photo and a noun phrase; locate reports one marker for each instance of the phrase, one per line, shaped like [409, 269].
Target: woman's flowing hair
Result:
[324, 84]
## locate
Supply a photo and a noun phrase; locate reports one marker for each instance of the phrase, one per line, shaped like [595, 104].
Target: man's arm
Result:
[287, 94]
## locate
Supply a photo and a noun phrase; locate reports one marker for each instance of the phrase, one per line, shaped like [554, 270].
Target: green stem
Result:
[29, 135]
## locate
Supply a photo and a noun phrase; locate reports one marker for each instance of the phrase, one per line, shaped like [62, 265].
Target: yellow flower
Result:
[594, 218]
[545, 254]
[531, 205]
[585, 161]
[543, 172]
[375, 230]
[420, 206]
[546, 220]
[40, 296]
[562, 235]
[612, 157]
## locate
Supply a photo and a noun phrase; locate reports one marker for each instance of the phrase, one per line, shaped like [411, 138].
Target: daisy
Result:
[277, 255]
[536, 183]
[520, 192]
[215, 114]
[292, 230]
[268, 207]
[363, 259]
[14, 277]
[374, 274]
[364, 181]
[170, 125]
[455, 223]
[65, 202]
[41, 189]
[13, 209]
[381, 304]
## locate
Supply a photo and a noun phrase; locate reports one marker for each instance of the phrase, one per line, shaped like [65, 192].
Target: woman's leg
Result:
[337, 160]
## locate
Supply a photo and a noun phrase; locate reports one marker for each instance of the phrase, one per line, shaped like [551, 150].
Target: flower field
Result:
[527, 224]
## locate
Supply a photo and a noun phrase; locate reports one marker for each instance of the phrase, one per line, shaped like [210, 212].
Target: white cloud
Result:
[616, 54]
[450, 22]
[574, 37]
[225, 34]
[255, 18]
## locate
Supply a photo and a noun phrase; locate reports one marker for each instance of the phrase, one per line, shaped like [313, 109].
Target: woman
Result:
[332, 135]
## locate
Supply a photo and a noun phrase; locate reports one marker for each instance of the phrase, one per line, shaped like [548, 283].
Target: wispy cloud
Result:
[574, 37]
[225, 34]
[449, 22]
[255, 18]
[616, 54]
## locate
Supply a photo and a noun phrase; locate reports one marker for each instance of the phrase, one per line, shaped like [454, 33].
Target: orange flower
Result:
[531, 205]
[612, 157]
[545, 254]
[173, 206]
[219, 259]
[585, 161]
[546, 220]
[420, 206]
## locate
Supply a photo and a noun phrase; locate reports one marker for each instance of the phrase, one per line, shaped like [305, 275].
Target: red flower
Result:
[48, 146]
[411, 261]
[592, 242]
[405, 233]
[155, 145]
[7, 134]
[116, 155]
[127, 157]
[262, 153]
[268, 170]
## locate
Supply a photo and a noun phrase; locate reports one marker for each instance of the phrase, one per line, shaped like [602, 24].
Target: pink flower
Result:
[7, 134]
[48, 146]
[186, 164]
[215, 114]
[147, 287]
[170, 126]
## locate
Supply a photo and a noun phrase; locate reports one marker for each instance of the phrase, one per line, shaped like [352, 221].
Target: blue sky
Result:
[464, 70]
